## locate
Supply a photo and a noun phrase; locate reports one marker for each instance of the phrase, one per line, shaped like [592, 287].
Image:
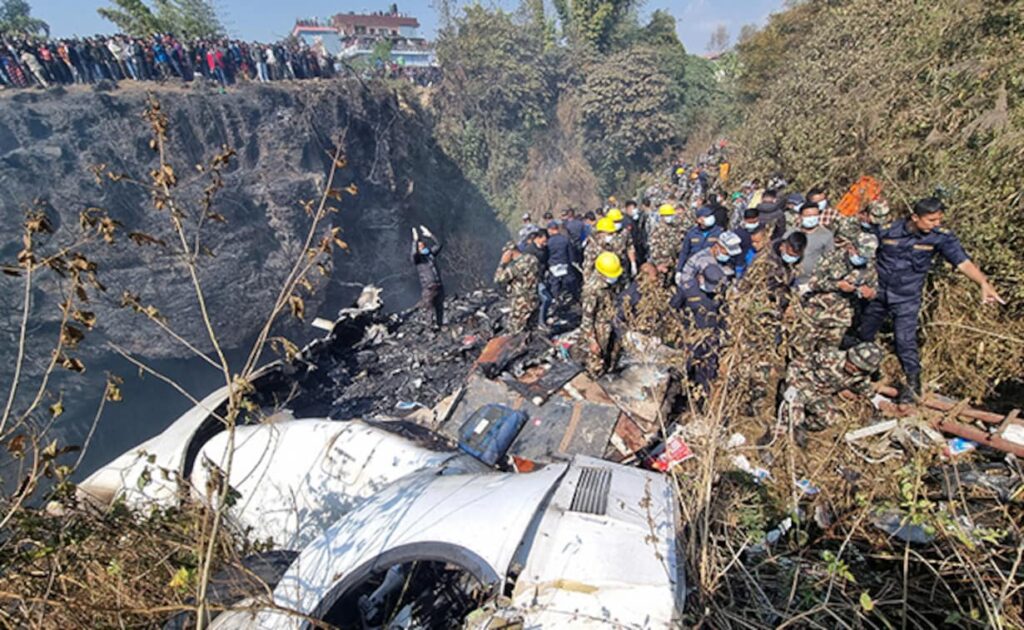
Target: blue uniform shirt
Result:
[560, 250]
[697, 238]
[905, 256]
[700, 308]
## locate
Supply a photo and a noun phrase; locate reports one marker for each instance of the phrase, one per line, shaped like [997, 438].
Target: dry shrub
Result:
[74, 566]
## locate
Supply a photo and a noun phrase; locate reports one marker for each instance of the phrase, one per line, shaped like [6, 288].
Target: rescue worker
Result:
[825, 310]
[828, 214]
[424, 256]
[771, 214]
[521, 273]
[561, 257]
[700, 302]
[636, 221]
[665, 239]
[750, 221]
[812, 383]
[624, 248]
[700, 236]
[791, 211]
[871, 217]
[599, 305]
[525, 230]
[607, 237]
[722, 254]
[906, 251]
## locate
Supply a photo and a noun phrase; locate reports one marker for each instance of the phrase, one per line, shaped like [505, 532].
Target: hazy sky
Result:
[267, 20]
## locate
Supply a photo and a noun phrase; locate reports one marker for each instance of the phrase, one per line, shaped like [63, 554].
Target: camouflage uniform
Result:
[664, 242]
[617, 243]
[814, 380]
[521, 277]
[824, 313]
[596, 324]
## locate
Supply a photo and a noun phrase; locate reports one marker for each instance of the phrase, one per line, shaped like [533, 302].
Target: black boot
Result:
[911, 391]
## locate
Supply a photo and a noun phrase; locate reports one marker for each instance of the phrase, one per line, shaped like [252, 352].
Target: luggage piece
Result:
[490, 431]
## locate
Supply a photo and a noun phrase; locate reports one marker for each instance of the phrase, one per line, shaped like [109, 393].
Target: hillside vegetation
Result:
[924, 97]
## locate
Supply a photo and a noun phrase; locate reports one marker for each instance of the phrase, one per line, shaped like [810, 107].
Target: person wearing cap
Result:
[598, 314]
[528, 227]
[700, 302]
[723, 254]
[820, 241]
[520, 272]
[771, 214]
[826, 309]
[561, 256]
[791, 210]
[700, 236]
[666, 233]
[871, 217]
[813, 382]
[906, 251]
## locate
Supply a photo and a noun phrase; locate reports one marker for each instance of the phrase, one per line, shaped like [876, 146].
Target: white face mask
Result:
[810, 222]
[669, 219]
[792, 260]
[722, 258]
[618, 226]
[609, 238]
[708, 221]
[857, 260]
[611, 280]
[751, 226]
[822, 204]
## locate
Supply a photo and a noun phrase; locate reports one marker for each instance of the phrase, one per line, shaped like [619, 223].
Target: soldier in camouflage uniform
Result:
[813, 381]
[869, 219]
[599, 304]
[665, 239]
[521, 274]
[606, 237]
[825, 311]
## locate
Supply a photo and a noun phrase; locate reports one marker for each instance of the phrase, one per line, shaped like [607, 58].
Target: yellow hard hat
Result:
[614, 214]
[608, 265]
[680, 171]
[667, 210]
[605, 224]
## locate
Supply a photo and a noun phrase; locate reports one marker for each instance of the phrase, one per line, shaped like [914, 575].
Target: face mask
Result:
[822, 204]
[611, 280]
[608, 239]
[708, 221]
[722, 258]
[792, 260]
[857, 260]
[703, 287]
[751, 226]
[425, 251]
[867, 225]
[635, 214]
[670, 220]
[618, 226]
[810, 222]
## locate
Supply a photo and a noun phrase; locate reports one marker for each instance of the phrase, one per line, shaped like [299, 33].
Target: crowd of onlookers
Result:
[28, 63]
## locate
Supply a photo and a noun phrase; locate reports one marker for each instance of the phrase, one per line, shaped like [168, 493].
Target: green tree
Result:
[16, 19]
[498, 92]
[592, 22]
[628, 111]
[184, 18]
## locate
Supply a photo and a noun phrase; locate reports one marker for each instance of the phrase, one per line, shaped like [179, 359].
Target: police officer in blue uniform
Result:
[700, 303]
[699, 237]
[905, 254]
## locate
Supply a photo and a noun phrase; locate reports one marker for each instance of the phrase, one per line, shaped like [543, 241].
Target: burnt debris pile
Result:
[378, 364]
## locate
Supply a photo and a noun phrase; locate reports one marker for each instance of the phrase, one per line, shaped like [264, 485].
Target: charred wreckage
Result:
[415, 478]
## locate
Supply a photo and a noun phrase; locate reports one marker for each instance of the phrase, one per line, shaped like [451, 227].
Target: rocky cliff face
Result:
[284, 136]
